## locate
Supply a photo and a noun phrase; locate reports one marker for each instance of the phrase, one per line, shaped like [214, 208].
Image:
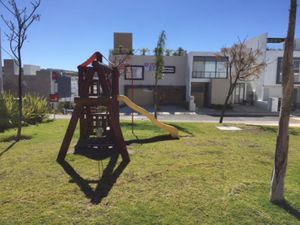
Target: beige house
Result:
[196, 79]
[138, 78]
[138, 75]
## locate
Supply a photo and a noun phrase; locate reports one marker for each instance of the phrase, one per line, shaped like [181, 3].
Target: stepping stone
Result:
[164, 113]
[229, 128]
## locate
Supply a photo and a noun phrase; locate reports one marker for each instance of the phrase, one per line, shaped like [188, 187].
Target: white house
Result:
[269, 84]
[208, 80]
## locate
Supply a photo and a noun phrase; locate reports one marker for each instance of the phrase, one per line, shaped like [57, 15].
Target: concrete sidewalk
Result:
[164, 110]
[240, 110]
[196, 118]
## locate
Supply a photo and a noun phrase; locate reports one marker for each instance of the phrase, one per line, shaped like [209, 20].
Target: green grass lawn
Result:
[206, 177]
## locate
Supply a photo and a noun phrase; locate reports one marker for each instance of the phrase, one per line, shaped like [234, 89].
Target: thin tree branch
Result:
[6, 7]
[34, 6]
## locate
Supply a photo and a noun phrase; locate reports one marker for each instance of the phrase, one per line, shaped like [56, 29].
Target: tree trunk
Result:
[20, 97]
[224, 108]
[155, 98]
[230, 91]
[282, 144]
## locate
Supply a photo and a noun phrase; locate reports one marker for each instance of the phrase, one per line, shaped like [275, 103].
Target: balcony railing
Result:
[209, 74]
[296, 78]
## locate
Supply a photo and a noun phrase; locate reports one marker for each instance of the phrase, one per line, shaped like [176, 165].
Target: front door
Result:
[239, 93]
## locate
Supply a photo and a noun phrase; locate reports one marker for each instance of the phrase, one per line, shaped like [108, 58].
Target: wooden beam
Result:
[87, 82]
[117, 132]
[96, 56]
[102, 70]
[69, 133]
[93, 101]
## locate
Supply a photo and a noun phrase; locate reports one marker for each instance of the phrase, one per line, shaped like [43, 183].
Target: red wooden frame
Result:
[107, 81]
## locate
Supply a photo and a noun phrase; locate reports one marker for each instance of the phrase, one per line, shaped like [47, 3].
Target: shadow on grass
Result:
[14, 138]
[14, 141]
[289, 208]
[182, 129]
[8, 148]
[104, 184]
[138, 126]
[96, 154]
[270, 129]
[149, 126]
[150, 140]
[48, 120]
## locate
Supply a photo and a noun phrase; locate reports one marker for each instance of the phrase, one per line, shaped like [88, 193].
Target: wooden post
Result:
[117, 132]
[101, 70]
[69, 134]
[115, 82]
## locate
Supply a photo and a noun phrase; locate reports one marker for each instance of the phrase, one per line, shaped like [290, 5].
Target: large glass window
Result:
[296, 70]
[209, 67]
[134, 72]
[221, 69]
[198, 66]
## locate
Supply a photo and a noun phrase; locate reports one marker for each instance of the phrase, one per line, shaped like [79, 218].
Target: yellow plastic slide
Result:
[172, 130]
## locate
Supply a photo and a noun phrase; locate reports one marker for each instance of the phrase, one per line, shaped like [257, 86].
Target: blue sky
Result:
[71, 30]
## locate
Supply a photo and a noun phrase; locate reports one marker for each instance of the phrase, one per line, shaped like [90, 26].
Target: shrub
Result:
[8, 111]
[4, 121]
[35, 109]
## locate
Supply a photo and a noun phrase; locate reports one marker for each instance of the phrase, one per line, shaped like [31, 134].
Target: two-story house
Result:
[269, 84]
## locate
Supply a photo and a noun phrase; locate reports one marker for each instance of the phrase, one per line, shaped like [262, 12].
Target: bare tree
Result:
[282, 144]
[242, 65]
[18, 29]
[159, 62]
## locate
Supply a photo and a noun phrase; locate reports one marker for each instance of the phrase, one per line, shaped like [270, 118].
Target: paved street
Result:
[242, 114]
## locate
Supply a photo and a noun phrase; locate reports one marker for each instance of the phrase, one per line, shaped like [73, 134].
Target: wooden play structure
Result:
[97, 110]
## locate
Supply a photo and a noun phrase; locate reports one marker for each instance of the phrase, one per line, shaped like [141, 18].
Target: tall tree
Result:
[242, 65]
[169, 52]
[21, 20]
[159, 62]
[282, 144]
[144, 51]
[180, 51]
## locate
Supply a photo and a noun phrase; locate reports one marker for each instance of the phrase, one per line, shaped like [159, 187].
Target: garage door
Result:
[141, 96]
[171, 95]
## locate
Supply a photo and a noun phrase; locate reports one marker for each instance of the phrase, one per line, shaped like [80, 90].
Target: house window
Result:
[134, 72]
[209, 67]
[168, 69]
[296, 70]
[221, 70]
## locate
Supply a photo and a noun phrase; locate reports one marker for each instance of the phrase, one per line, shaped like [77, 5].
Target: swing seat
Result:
[96, 148]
